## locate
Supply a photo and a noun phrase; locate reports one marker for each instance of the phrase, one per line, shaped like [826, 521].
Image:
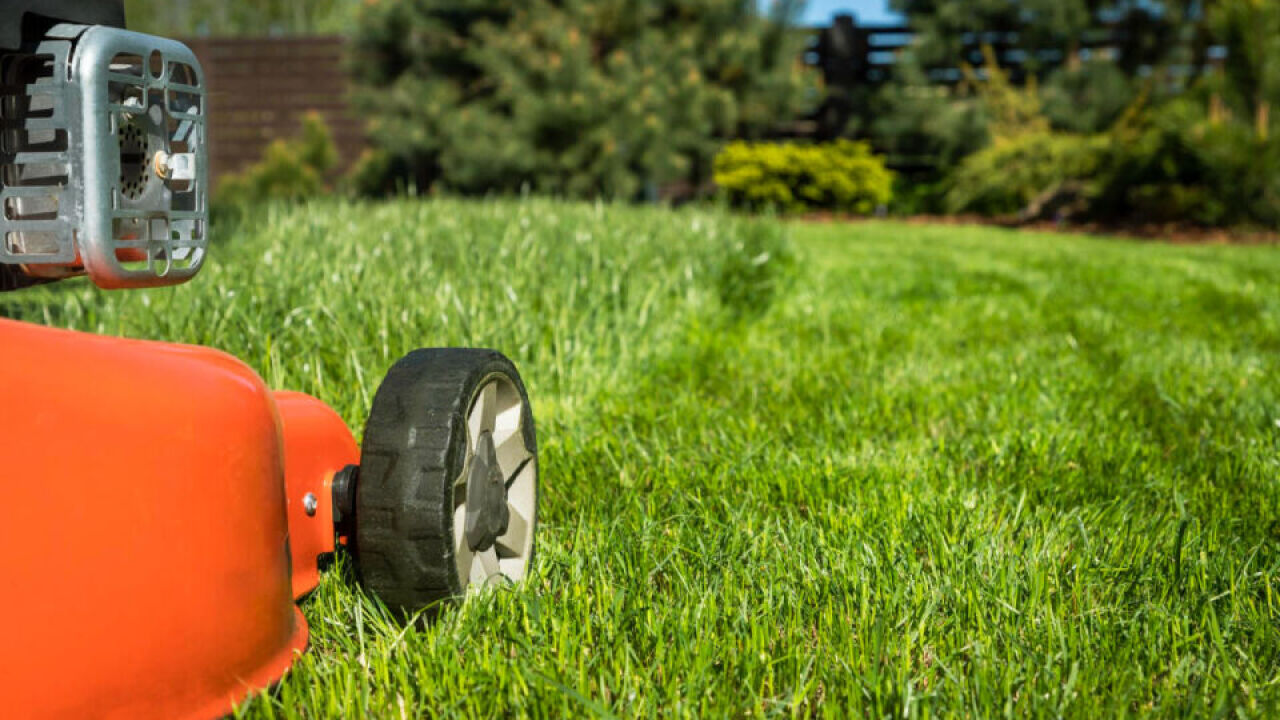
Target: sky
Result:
[867, 12]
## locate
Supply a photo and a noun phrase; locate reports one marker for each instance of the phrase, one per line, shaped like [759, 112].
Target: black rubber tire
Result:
[415, 446]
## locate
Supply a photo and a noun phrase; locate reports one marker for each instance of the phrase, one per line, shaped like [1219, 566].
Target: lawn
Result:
[845, 470]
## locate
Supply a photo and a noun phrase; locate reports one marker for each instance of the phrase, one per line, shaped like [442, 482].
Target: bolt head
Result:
[487, 514]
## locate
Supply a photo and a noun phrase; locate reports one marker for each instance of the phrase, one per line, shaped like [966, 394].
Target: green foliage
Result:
[1152, 34]
[1007, 176]
[1172, 162]
[1173, 147]
[1011, 110]
[916, 123]
[944, 24]
[1160, 162]
[1025, 158]
[187, 18]
[376, 172]
[1088, 98]
[575, 97]
[918, 195]
[842, 176]
[1250, 29]
[948, 472]
[1166, 163]
[1208, 156]
[1242, 177]
[289, 169]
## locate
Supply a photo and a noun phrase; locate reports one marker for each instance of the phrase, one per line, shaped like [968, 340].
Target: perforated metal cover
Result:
[104, 168]
[40, 210]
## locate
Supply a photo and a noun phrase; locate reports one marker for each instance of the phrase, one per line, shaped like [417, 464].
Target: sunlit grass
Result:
[867, 470]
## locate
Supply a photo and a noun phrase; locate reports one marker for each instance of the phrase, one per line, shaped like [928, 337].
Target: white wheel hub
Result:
[499, 477]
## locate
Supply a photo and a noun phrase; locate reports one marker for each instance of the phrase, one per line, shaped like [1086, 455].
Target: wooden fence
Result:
[852, 58]
[849, 54]
[260, 88]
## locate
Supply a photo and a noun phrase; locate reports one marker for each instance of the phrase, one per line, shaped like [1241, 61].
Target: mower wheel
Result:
[447, 492]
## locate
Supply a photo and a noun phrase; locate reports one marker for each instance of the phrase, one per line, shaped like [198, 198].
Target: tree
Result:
[1250, 30]
[1048, 33]
[1087, 97]
[415, 69]
[919, 124]
[573, 97]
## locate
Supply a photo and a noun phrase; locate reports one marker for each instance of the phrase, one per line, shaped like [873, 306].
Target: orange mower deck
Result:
[165, 509]
[155, 492]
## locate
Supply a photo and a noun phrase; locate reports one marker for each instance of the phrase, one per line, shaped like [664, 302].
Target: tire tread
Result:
[415, 442]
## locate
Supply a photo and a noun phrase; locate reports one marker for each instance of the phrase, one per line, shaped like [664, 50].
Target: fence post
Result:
[842, 56]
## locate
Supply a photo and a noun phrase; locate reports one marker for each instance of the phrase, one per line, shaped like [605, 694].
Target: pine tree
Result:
[946, 27]
[922, 125]
[1048, 33]
[413, 70]
[574, 97]
[1250, 30]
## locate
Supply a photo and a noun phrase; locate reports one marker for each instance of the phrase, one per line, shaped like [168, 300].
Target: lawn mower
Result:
[166, 509]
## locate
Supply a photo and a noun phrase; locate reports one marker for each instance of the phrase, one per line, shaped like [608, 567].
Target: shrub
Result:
[1244, 180]
[1013, 172]
[917, 123]
[289, 169]
[1165, 163]
[1012, 110]
[842, 176]
[609, 98]
[1175, 163]
[1154, 171]
[1088, 98]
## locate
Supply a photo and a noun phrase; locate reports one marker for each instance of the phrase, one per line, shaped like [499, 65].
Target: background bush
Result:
[1129, 134]
[1089, 98]
[1006, 177]
[580, 98]
[919, 123]
[843, 176]
[1172, 120]
[289, 169]
[1177, 163]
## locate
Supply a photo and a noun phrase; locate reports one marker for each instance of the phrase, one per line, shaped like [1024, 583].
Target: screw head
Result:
[160, 164]
[309, 504]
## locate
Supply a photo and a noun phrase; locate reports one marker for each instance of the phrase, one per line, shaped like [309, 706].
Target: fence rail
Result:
[852, 54]
[852, 58]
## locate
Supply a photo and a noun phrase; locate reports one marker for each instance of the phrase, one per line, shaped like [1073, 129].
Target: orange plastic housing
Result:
[148, 523]
[317, 445]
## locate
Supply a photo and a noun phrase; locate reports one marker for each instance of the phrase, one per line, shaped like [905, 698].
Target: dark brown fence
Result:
[849, 54]
[260, 88]
[853, 58]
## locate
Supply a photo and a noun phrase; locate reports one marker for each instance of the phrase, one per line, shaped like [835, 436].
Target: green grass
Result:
[866, 470]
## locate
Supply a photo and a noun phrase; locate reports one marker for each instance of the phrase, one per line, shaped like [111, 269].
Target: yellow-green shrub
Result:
[289, 169]
[1007, 175]
[843, 176]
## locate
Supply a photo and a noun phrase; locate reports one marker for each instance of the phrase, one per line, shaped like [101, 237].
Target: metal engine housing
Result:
[103, 158]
